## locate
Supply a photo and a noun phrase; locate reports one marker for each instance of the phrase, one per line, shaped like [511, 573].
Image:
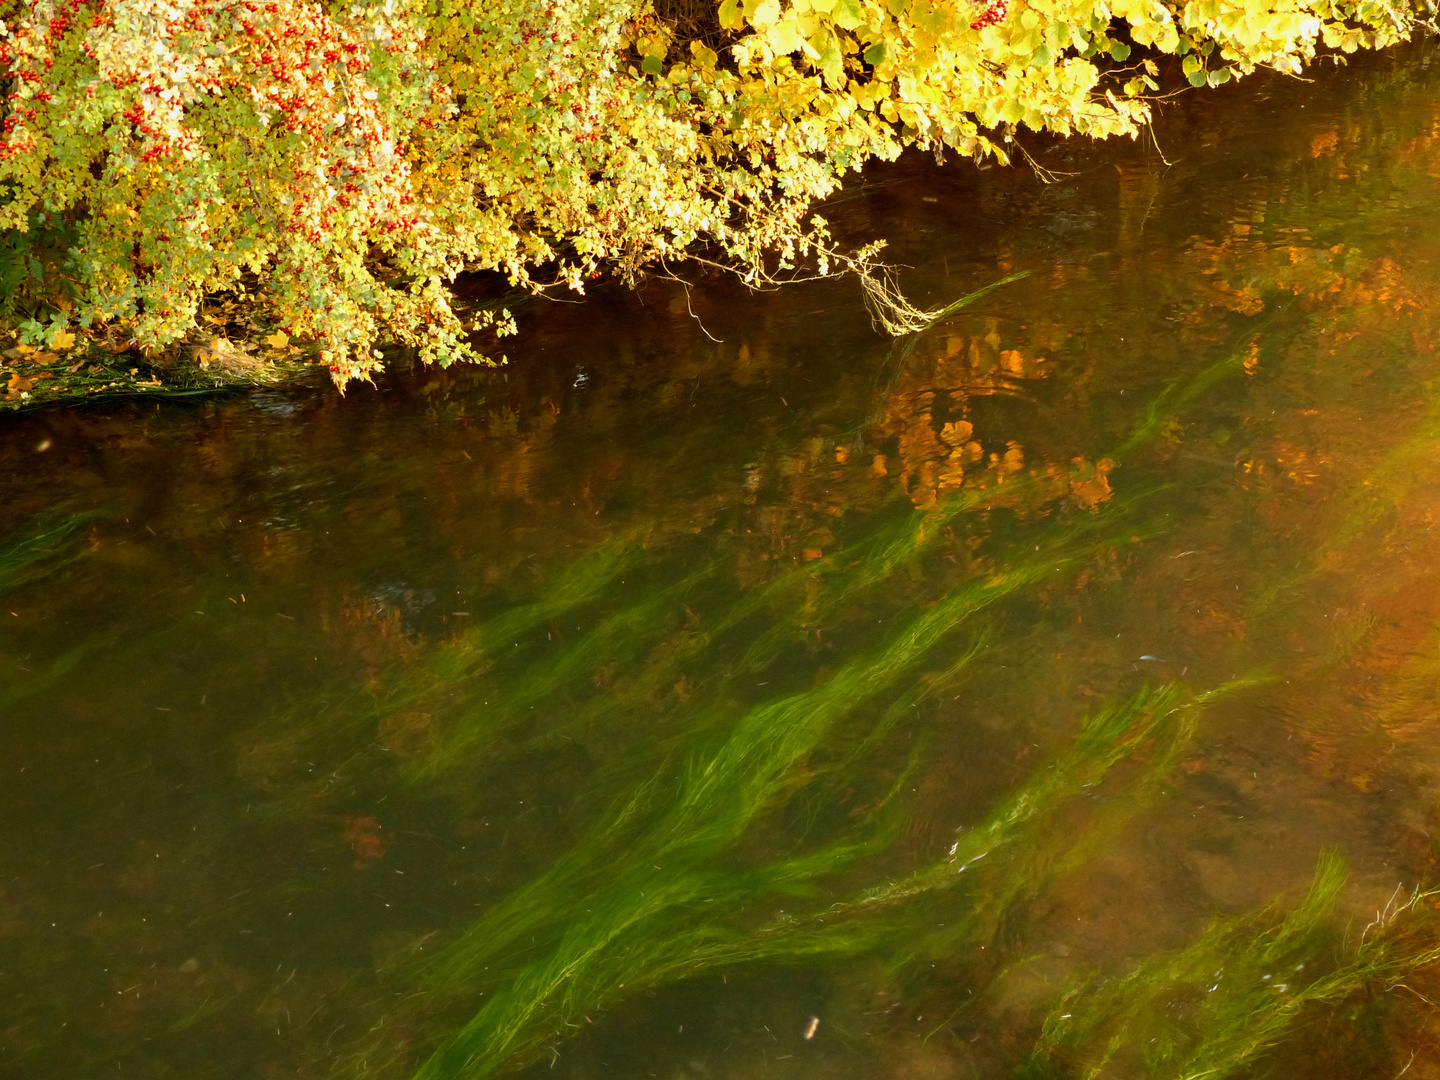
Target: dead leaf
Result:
[45, 358]
[278, 340]
[19, 384]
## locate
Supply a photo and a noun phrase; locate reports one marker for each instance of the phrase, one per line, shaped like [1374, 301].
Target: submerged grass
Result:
[632, 907]
[46, 544]
[43, 545]
[1224, 1003]
[687, 871]
[804, 596]
[1372, 502]
[525, 679]
[654, 891]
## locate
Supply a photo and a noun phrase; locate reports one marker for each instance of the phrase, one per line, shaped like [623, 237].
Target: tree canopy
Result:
[334, 168]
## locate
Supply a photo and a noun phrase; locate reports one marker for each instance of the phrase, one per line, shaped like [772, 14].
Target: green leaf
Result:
[652, 65]
[1216, 78]
[830, 62]
[875, 54]
[730, 14]
[847, 14]
[1197, 78]
[931, 18]
[1119, 50]
[1190, 65]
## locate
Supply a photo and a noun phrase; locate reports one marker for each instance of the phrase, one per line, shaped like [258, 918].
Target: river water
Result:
[723, 690]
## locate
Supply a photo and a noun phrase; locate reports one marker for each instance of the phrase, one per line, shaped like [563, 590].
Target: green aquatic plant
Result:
[58, 668]
[697, 863]
[1369, 504]
[337, 713]
[1228, 1000]
[41, 546]
[648, 898]
[633, 619]
[1164, 406]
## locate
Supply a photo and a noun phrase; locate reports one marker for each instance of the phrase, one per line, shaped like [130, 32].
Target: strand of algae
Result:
[653, 890]
[474, 722]
[1156, 723]
[632, 882]
[578, 942]
[343, 710]
[470, 722]
[1225, 1002]
[876, 561]
[747, 768]
[47, 537]
[1370, 501]
[45, 544]
[859, 569]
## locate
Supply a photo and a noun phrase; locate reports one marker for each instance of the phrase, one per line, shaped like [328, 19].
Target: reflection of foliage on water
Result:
[1223, 1004]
